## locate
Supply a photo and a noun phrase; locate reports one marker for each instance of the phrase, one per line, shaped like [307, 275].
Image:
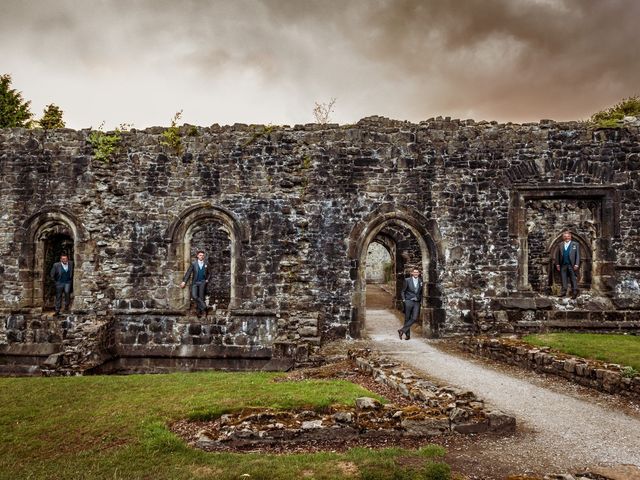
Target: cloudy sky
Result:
[268, 61]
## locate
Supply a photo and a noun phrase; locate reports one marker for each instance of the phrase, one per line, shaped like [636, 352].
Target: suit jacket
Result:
[574, 253]
[56, 271]
[408, 291]
[192, 271]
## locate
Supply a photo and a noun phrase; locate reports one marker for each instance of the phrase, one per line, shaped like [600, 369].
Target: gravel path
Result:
[556, 431]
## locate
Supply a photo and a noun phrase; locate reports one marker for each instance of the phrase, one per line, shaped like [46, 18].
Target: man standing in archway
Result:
[199, 271]
[412, 298]
[568, 263]
[62, 274]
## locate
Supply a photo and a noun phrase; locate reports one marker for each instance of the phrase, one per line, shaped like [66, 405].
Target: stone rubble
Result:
[434, 410]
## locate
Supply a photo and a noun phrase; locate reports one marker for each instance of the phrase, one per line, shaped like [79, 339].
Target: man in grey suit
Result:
[567, 263]
[199, 271]
[412, 298]
[62, 274]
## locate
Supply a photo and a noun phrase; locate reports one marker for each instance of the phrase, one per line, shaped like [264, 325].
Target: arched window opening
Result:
[216, 231]
[44, 237]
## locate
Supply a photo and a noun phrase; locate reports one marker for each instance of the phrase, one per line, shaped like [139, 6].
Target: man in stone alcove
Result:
[567, 263]
[62, 274]
[412, 298]
[199, 271]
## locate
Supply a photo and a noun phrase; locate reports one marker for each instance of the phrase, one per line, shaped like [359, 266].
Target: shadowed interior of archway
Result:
[214, 239]
[55, 245]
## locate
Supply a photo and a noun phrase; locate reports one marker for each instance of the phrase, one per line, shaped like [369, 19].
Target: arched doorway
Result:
[408, 235]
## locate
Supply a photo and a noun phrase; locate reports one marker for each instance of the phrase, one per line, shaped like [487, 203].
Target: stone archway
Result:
[46, 235]
[385, 221]
[215, 230]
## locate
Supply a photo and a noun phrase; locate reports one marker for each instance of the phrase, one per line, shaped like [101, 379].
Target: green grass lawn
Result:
[621, 349]
[114, 427]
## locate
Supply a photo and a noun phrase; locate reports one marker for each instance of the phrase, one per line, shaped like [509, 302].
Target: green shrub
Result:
[106, 144]
[171, 136]
[629, 372]
[613, 115]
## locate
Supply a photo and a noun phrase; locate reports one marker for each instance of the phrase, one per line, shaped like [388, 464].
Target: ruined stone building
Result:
[286, 216]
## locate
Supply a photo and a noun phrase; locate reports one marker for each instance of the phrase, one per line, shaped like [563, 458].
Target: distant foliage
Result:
[106, 144]
[613, 115]
[14, 110]
[171, 136]
[51, 118]
[322, 111]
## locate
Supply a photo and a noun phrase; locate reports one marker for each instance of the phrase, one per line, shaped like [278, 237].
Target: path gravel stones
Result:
[556, 431]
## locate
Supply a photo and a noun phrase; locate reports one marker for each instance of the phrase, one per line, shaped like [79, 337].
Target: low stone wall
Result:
[590, 373]
[156, 340]
[461, 409]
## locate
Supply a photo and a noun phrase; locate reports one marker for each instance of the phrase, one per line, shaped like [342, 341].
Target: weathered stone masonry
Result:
[288, 213]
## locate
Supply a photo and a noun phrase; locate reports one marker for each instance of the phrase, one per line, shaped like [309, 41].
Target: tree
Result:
[14, 111]
[322, 111]
[51, 118]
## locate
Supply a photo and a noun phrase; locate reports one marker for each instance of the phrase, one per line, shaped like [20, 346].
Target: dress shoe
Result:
[562, 295]
[400, 334]
[574, 295]
[407, 337]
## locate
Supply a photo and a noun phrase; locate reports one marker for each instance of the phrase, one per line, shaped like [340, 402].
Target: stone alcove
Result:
[214, 238]
[45, 236]
[537, 217]
[215, 230]
[585, 272]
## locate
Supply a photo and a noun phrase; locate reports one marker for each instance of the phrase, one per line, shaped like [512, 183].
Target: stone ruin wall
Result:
[297, 206]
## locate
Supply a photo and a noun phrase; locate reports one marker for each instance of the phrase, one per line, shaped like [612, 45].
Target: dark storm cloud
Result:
[500, 58]
[269, 60]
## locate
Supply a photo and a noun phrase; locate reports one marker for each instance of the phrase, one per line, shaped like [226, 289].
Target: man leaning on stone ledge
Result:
[567, 263]
[199, 271]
